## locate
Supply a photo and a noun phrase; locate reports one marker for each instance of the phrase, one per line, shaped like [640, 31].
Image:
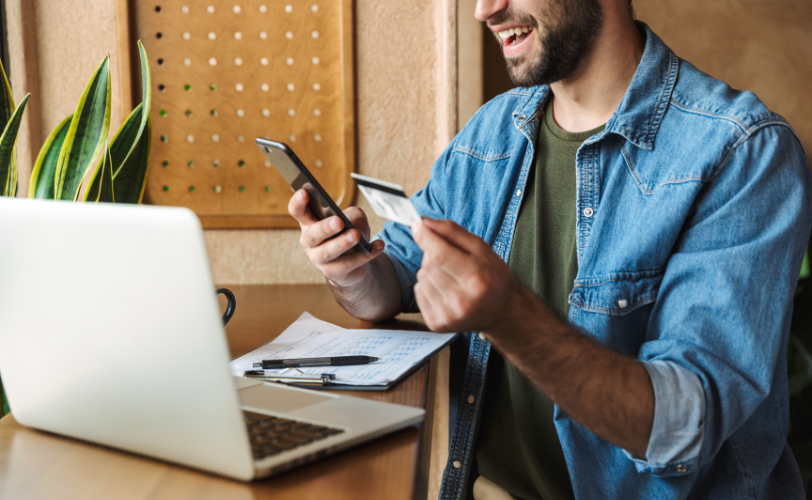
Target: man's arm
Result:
[463, 285]
[364, 284]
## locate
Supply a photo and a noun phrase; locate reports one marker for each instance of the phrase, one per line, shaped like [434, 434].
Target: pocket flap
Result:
[617, 293]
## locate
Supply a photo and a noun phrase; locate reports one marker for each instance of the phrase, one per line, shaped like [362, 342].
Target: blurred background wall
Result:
[422, 69]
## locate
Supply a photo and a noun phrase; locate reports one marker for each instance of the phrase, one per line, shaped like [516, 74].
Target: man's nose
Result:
[485, 9]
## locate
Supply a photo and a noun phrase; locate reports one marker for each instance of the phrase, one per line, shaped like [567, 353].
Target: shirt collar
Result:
[641, 111]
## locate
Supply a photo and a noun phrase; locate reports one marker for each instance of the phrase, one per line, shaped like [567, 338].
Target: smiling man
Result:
[623, 235]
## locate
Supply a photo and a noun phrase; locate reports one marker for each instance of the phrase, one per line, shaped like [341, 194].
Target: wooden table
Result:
[37, 465]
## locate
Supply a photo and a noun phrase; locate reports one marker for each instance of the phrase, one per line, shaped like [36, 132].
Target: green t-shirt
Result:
[518, 447]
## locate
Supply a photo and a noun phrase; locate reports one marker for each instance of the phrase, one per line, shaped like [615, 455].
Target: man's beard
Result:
[569, 32]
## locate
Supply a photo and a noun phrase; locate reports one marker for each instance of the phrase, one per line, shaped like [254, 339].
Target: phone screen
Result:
[295, 173]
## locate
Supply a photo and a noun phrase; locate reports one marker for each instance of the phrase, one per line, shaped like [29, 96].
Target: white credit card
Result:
[387, 199]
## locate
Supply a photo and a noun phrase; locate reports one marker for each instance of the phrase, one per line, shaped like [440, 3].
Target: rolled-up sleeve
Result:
[721, 319]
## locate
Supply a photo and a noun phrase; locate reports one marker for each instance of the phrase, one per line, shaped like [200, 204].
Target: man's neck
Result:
[589, 99]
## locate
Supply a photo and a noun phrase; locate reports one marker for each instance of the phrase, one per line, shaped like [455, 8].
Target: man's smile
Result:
[513, 38]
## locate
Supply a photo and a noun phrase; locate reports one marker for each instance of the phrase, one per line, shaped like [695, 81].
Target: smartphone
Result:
[293, 170]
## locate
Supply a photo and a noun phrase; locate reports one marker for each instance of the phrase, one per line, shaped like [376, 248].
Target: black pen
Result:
[269, 364]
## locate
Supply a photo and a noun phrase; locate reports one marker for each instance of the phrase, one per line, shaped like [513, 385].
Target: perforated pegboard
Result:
[227, 72]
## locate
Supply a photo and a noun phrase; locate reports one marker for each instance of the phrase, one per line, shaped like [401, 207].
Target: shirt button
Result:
[481, 336]
[471, 399]
[680, 468]
[588, 212]
[622, 303]
[518, 192]
[522, 118]
[457, 464]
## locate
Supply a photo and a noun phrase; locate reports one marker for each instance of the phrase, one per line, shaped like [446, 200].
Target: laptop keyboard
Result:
[271, 435]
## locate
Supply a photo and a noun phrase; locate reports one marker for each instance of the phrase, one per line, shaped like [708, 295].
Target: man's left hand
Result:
[462, 285]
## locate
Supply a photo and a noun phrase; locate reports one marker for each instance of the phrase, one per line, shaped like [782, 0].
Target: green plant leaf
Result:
[7, 106]
[131, 145]
[8, 156]
[131, 176]
[43, 175]
[4, 408]
[101, 182]
[87, 135]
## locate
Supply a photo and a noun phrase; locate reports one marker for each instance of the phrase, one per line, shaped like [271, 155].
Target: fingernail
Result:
[350, 237]
[334, 224]
[300, 194]
[416, 228]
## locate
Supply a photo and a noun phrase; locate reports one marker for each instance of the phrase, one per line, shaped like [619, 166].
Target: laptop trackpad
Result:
[280, 399]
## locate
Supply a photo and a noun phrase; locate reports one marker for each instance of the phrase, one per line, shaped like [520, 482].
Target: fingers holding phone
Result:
[328, 246]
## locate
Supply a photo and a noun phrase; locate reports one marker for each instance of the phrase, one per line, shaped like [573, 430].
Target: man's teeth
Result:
[504, 35]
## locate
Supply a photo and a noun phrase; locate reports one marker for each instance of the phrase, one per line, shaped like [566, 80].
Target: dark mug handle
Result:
[231, 306]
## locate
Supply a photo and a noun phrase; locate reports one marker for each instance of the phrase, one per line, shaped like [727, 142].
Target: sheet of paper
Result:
[309, 337]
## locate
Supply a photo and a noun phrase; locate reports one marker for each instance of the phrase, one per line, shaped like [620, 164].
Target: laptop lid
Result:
[111, 332]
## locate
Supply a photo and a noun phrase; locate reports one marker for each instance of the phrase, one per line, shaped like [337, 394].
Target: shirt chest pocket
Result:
[614, 309]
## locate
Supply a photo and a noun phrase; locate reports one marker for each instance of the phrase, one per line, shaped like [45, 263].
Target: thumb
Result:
[456, 235]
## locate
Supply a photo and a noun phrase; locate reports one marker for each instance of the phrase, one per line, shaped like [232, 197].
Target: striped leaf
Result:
[132, 158]
[42, 178]
[8, 156]
[87, 134]
[101, 182]
[131, 145]
[7, 106]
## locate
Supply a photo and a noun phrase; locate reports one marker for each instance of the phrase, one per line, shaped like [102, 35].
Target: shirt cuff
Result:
[679, 421]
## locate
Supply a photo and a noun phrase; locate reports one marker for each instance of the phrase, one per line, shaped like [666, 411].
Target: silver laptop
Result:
[110, 332]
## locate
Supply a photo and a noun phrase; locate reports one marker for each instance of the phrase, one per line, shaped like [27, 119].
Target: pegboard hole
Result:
[187, 35]
[163, 112]
[217, 189]
[263, 9]
[264, 61]
[266, 112]
[210, 9]
[316, 87]
[315, 60]
[242, 189]
[317, 138]
[187, 62]
[267, 188]
[213, 87]
[187, 88]
[237, 35]
[189, 113]
[215, 138]
[160, 62]
[212, 35]
[288, 8]
[264, 87]
[190, 164]
[164, 164]
[190, 138]
[238, 61]
[212, 61]
[317, 112]
[159, 35]
[288, 35]
[267, 164]
[162, 87]
[214, 113]
[237, 9]
[314, 34]
[240, 113]
[292, 138]
[241, 163]
[291, 87]
[318, 163]
[164, 138]
[241, 138]
[239, 87]
[166, 188]
[216, 163]
[263, 35]
[291, 112]
[289, 61]
[184, 9]
[314, 8]
[191, 189]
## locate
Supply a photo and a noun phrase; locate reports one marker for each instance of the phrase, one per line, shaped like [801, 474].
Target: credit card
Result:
[387, 199]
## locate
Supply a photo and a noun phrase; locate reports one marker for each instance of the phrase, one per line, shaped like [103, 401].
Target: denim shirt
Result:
[693, 210]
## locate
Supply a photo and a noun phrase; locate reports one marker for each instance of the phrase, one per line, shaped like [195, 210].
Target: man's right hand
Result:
[334, 257]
